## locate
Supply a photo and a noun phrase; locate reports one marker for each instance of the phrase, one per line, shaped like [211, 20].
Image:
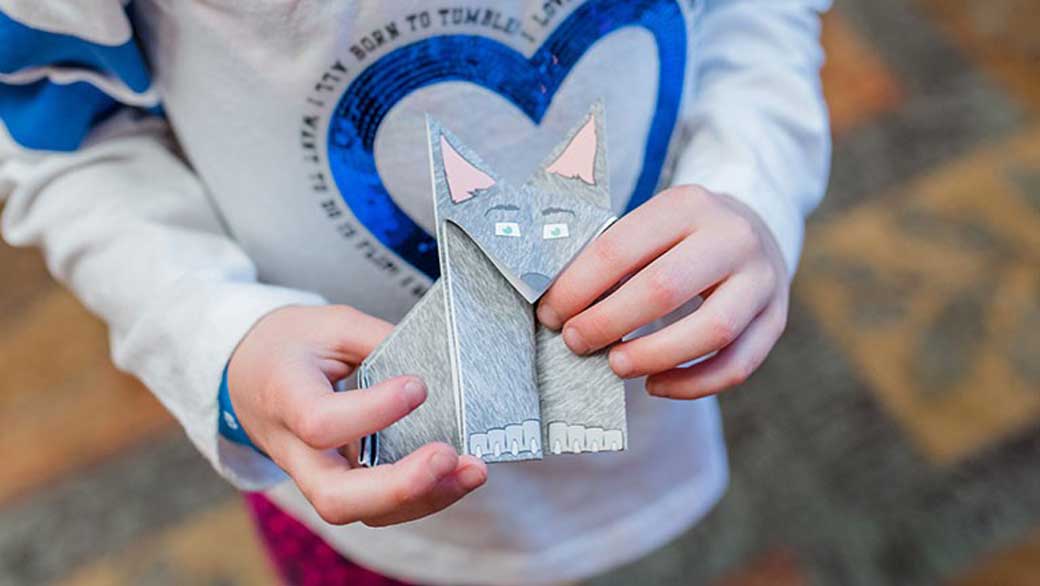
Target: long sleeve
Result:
[91, 177]
[758, 129]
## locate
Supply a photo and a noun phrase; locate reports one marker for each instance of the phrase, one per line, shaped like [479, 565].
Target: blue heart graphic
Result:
[529, 84]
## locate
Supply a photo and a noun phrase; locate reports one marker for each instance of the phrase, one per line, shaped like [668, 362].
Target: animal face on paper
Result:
[530, 232]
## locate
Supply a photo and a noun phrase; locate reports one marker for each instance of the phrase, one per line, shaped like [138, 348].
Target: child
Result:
[241, 190]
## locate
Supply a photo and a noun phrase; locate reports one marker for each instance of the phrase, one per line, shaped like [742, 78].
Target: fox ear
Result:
[583, 155]
[463, 177]
[456, 170]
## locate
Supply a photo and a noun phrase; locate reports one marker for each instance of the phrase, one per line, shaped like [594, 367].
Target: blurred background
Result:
[893, 437]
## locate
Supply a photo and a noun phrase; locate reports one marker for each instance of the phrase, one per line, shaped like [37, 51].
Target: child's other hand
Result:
[684, 242]
[280, 379]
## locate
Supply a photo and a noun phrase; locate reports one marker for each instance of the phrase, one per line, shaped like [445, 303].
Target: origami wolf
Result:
[501, 387]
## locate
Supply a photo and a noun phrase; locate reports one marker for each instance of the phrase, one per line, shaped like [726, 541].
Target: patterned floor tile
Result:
[948, 108]
[63, 405]
[105, 509]
[1001, 35]
[1018, 565]
[858, 85]
[775, 568]
[934, 292]
[194, 552]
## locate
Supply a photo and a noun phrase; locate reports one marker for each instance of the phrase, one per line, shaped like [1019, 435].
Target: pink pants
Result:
[300, 556]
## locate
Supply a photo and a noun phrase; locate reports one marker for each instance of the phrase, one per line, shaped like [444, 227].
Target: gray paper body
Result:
[491, 333]
[417, 346]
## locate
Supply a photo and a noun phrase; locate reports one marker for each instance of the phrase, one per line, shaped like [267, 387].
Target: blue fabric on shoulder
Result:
[228, 424]
[45, 115]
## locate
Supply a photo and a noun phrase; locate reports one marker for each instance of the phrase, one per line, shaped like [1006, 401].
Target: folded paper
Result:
[500, 386]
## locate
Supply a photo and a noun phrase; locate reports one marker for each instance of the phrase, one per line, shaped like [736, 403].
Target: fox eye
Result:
[511, 229]
[553, 231]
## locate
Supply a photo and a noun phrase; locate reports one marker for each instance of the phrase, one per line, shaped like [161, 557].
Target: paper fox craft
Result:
[500, 386]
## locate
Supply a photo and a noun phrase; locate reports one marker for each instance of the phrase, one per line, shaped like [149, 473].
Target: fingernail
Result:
[441, 464]
[548, 316]
[471, 477]
[414, 392]
[574, 341]
[620, 363]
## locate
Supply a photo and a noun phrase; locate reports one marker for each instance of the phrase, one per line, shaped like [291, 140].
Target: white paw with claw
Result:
[513, 440]
[594, 439]
[613, 440]
[497, 441]
[478, 444]
[578, 438]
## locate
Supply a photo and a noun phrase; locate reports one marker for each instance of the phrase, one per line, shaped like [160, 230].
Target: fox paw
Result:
[512, 440]
[579, 438]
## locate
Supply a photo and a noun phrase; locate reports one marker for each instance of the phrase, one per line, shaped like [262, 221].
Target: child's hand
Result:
[684, 242]
[280, 379]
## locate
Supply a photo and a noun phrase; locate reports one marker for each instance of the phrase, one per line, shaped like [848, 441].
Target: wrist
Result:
[229, 425]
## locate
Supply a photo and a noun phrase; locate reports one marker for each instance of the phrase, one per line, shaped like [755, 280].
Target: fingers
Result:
[469, 474]
[656, 226]
[713, 326]
[293, 355]
[657, 290]
[730, 367]
[328, 420]
[424, 482]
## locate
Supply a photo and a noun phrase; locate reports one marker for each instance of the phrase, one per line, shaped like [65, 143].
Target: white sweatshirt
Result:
[188, 166]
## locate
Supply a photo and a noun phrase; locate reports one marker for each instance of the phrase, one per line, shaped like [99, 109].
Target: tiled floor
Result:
[892, 438]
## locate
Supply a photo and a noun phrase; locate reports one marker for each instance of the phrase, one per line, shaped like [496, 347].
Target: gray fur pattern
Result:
[417, 346]
[583, 409]
[500, 388]
[491, 336]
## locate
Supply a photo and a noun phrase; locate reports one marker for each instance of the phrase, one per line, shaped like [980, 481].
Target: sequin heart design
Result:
[528, 83]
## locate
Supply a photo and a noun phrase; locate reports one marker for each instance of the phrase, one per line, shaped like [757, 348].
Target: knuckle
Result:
[771, 280]
[607, 251]
[743, 234]
[688, 195]
[404, 493]
[744, 370]
[344, 312]
[343, 316]
[738, 374]
[594, 327]
[663, 290]
[328, 507]
[721, 331]
[326, 514]
[313, 428]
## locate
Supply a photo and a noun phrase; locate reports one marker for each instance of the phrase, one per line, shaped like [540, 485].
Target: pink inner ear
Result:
[463, 177]
[579, 158]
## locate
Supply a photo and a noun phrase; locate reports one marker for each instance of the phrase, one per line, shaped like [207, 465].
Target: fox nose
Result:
[536, 281]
